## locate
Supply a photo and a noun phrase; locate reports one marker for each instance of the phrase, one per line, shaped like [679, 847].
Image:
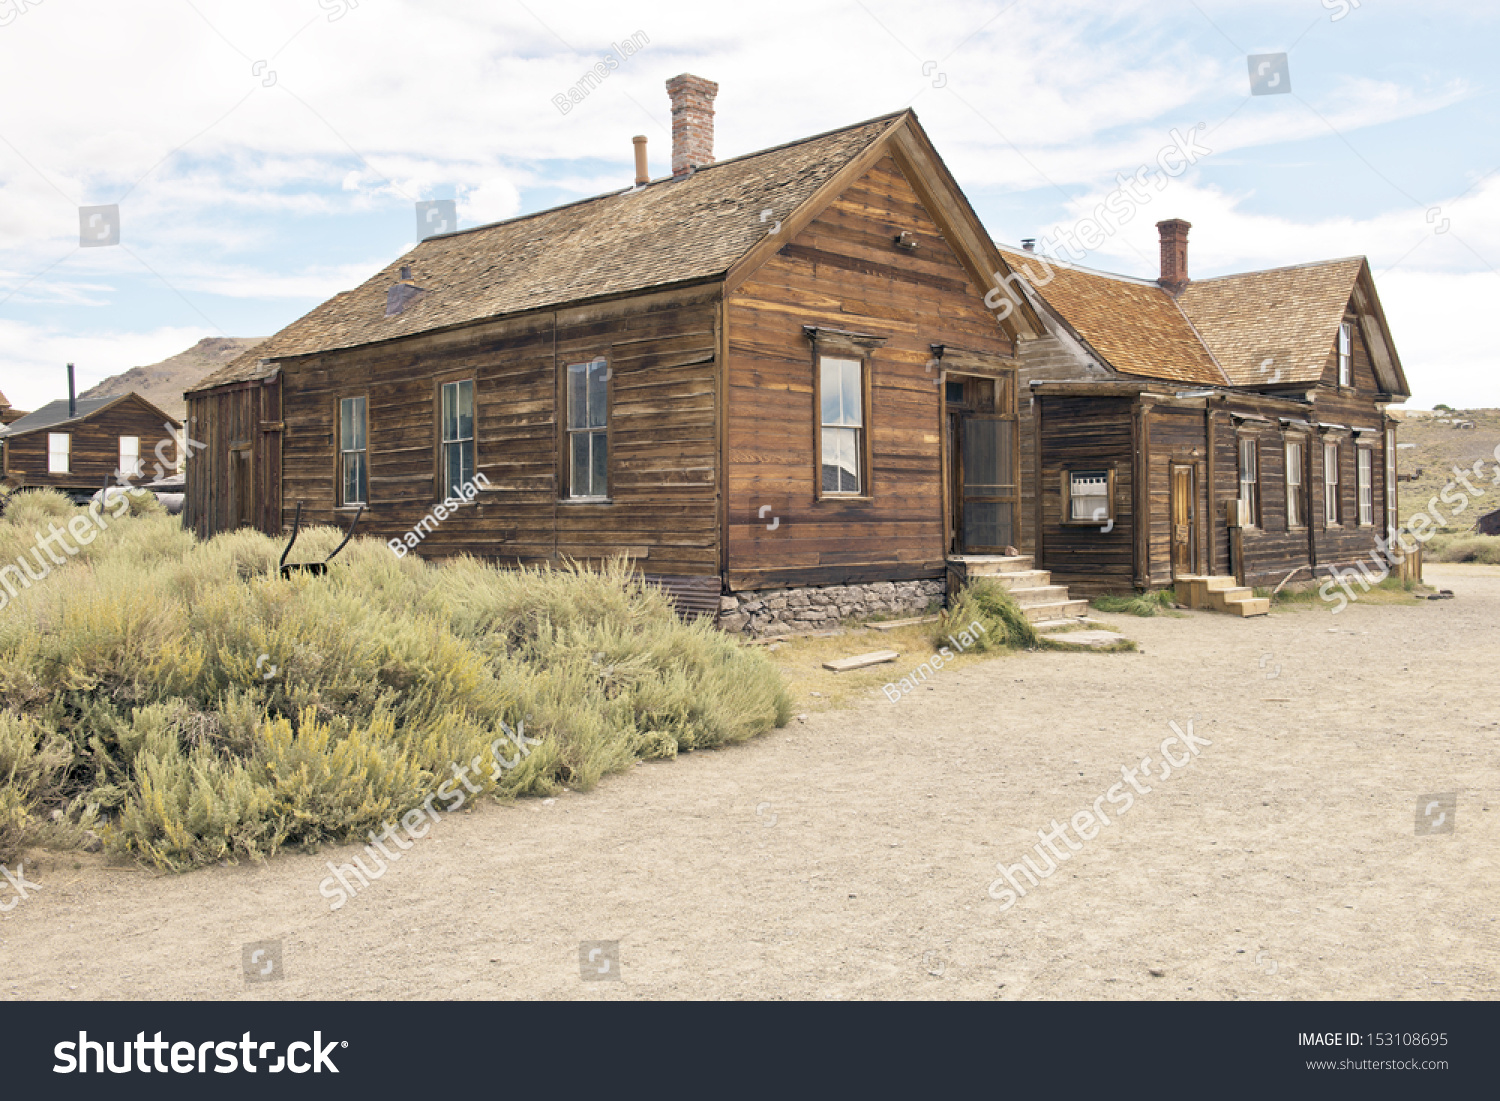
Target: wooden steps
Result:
[1221, 594]
[1032, 589]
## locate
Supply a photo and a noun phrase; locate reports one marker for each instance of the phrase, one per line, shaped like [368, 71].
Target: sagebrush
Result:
[186, 704]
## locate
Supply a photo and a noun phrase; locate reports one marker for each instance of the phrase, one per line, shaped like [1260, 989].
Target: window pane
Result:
[578, 466]
[840, 460]
[450, 411]
[578, 396]
[598, 483]
[466, 412]
[832, 401]
[352, 424]
[1089, 491]
[598, 393]
[57, 452]
[842, 401]
[853, 402]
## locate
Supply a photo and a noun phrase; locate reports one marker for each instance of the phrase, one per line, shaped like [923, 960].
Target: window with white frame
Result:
[588, 429]
[354, 470]
[1250, 479]
[1346, 353]
[1089, 499]
[1364, 475]
[841, 395]
[1294, 513]
[1330, 484]
[130, 456]
[458, 436]
[59, 447]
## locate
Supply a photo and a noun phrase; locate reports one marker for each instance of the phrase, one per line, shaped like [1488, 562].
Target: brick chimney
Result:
[692, 122]
[1174, 272]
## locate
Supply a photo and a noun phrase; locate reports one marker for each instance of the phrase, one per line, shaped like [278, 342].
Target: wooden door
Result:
[1184, 521]
[988, 490]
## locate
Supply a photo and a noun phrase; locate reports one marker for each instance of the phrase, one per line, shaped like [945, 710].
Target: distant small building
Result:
[1489, 523]
[8, 414]
[76, 445]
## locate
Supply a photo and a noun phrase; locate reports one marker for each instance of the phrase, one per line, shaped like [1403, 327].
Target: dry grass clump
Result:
[187, 704]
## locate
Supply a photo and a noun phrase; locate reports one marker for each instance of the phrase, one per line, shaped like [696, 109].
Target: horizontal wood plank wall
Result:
[94, 449]
[1044, 359]
[661, 350]
[844, 271]
[1087, 432]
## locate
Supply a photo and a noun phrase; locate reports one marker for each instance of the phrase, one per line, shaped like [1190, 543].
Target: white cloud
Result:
[36, 357]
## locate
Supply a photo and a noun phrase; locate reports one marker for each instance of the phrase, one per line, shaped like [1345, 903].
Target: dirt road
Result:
[851, 856]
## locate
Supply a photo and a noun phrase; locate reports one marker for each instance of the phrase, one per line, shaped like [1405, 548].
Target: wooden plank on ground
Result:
[861, 661]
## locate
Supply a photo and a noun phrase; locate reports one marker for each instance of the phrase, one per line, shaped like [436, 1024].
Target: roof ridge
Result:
[669, 179]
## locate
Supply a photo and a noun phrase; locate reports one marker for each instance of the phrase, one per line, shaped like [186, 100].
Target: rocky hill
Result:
[1431, 445]
[162, 383]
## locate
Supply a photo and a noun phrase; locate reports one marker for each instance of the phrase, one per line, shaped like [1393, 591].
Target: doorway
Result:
[1184, 521]
[983, 483]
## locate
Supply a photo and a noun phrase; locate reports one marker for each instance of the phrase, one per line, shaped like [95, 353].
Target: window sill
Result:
[1099, 523]
[842, 497]
[585, 500]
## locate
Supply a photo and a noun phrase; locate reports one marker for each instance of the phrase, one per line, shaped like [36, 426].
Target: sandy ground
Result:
[850, 855]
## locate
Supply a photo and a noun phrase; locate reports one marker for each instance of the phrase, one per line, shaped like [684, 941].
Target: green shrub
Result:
[190, 705]
[1151, 603]
[987, 602]
[1473, 548]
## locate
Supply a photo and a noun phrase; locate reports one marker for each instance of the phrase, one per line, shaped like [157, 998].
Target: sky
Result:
[265, 156]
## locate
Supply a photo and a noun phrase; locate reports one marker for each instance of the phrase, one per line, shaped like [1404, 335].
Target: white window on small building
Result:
[1365, 482]
[1330, 484]
[1089, 499]
[59, 446]
[1346, 353]
[130, 456]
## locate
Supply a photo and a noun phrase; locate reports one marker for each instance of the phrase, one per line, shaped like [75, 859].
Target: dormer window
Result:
[1346, 353]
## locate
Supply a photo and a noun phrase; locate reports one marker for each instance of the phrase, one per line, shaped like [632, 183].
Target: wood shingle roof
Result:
[670, 231]
[1287, 316]
[1134, 325]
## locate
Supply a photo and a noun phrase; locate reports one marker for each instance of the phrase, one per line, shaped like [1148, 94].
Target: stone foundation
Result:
[770, 612]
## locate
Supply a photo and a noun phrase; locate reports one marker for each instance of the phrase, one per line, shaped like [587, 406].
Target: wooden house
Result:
[1489, 523]
[75, 445]
[772, 381]
[1229, 427]
[9, 414]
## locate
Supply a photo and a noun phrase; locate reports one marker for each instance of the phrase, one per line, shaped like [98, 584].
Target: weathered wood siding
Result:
[1086, 432]
[661, 510]
[95, 448]
[1050, 358]
[242, 417]
[844, 272]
